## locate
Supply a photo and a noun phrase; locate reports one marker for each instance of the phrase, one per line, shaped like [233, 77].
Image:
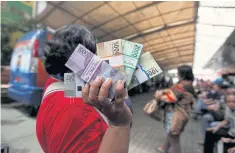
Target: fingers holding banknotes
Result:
[117, 112]
[104, 90]
[90, 92]
[97, 93]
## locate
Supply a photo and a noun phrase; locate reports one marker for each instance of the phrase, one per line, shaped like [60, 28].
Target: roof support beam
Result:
[75, 16]
[178, 57]
[166, 27]
[183, 38]
[51, 11]
[143, 20]
[138, 9]
[176, 34]
[171, 52]
[220, 7]
[88, 12]
[195, 27]
[162, 50]
[216, 25]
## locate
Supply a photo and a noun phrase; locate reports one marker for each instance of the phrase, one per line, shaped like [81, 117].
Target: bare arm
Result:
[116, 140]
[223, 124]
[209, 101]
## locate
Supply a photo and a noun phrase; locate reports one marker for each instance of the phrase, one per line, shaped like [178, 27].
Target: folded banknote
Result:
[88, 67]
[111, 52]
[131, 52]
[146, 69]
[73, 85]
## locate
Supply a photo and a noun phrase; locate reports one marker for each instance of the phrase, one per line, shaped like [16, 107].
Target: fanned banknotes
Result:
[147, 68]
[131, 52]
[88, 67]
[73, 85]
[121, 54]
[111, 52]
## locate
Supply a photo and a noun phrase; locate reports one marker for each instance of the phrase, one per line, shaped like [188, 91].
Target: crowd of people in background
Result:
[216, 104]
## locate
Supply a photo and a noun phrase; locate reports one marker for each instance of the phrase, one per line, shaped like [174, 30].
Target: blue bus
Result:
[27, 72]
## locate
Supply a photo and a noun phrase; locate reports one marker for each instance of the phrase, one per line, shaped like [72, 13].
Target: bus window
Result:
[14, 60]
[25, 61]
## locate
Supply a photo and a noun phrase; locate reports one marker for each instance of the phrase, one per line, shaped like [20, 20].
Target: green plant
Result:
[6, 48]
[7, 30]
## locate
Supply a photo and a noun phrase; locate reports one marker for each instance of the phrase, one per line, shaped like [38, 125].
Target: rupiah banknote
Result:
[88, 67]
[131, 52]
[111, 52]
[147, 68]
[73, 85]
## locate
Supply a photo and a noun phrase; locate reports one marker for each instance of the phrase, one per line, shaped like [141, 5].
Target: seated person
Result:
[213, 135]
[212, 108]
[199, 102]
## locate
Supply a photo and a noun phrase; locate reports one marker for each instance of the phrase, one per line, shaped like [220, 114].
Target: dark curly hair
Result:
[185, 72]
[63, 43]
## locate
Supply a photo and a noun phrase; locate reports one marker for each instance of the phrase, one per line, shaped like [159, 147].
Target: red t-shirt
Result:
[68, 125]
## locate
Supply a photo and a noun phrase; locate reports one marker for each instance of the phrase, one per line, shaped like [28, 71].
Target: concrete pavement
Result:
[18, 130]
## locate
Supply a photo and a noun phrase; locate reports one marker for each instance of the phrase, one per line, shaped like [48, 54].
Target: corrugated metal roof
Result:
[167, 29]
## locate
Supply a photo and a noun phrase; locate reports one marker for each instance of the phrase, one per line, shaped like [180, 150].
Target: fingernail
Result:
[97, 78]
[107, 80]
[120, 82]
[86, 85]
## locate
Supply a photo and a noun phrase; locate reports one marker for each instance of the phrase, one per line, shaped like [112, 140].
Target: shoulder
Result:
[79, 113]
[79, 119]
[50, 80]
[56, 106]
[69, 116]
[75, 126]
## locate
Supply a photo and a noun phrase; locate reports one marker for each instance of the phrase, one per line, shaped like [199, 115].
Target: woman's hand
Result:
[214, 129]
[227, 140]
[158, 94]
[231, 150]
[164, 95]
[214, 107]
[97, 93]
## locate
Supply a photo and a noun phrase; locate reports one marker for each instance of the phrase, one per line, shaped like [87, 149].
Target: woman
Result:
[70, 124]
[178, 98]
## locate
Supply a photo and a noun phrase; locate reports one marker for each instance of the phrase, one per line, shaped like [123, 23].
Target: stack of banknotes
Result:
[116, 59]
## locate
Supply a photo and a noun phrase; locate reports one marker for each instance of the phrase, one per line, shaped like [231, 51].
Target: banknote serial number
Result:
[152, 71]
[136, 51]
[115, 47]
